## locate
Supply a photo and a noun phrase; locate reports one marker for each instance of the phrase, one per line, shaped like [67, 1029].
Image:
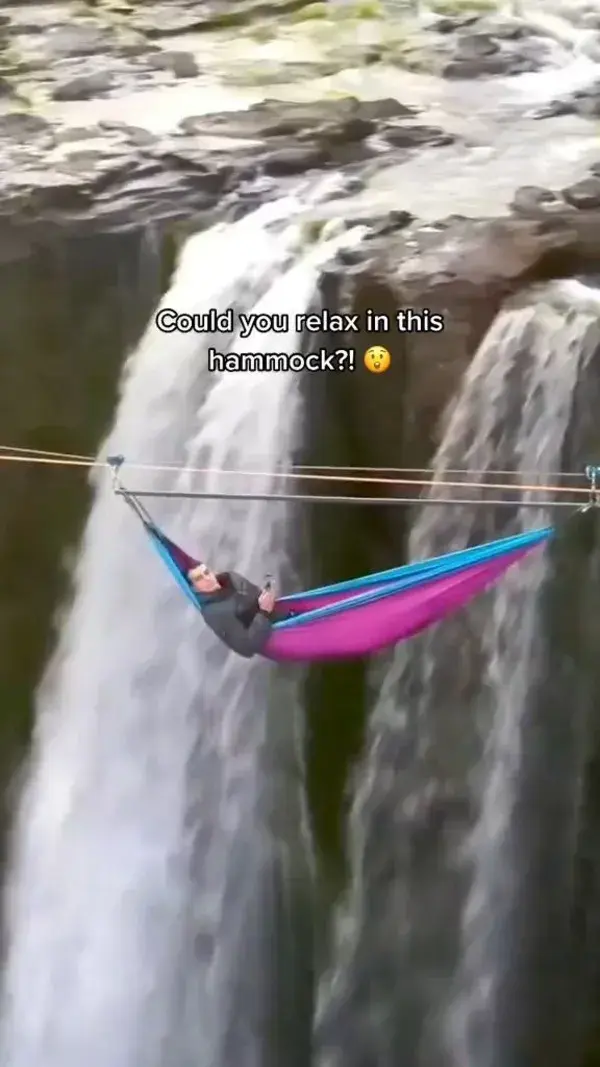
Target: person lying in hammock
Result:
[237, 611]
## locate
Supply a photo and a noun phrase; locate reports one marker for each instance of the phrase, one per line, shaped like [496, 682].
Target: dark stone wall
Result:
[70, 313]
[373, 421]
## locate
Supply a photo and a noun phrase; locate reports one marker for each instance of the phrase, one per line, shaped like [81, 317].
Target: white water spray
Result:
[560, 330]
[387, 989]
[145, 755]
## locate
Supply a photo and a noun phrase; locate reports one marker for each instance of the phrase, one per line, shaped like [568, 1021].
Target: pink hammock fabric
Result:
[365, 615]
[374, 626]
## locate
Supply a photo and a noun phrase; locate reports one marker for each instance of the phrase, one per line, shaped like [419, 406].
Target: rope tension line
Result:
[29, 455]
[116, 463]
[312, 498]
[109, 463]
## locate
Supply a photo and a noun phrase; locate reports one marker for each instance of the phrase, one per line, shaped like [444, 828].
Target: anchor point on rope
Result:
[115, 463]
[592, 474]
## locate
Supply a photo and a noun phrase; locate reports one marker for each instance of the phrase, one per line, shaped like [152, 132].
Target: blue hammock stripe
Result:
[476, 554]
[167, 558]
[411, 575]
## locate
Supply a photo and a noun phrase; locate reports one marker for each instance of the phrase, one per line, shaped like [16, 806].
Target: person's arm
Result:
[246, 597]
[246, 641]
[253, 638]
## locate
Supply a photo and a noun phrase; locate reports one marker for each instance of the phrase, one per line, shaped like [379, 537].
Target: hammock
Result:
[365, 615]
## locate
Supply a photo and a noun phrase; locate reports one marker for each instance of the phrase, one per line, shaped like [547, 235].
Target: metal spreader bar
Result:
[592, 473]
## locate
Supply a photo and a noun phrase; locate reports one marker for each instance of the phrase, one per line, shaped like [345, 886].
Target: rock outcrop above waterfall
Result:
[70, 154]
[471, 44]
[66, 50]
[462, 269]
[208, 166]
[584, 102]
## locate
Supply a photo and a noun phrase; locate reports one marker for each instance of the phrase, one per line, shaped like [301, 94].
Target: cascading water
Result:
[547, 344]
[563, 334]
[452, 701]
[151, 828]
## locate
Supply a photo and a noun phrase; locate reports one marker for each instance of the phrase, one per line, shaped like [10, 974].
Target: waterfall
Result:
[562, 334]
[431, 824]
[150, 842]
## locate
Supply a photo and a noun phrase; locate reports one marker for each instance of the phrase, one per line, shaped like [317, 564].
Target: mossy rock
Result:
[311, 231]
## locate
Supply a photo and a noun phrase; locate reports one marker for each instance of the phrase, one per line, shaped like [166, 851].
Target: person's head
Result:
[204, 580]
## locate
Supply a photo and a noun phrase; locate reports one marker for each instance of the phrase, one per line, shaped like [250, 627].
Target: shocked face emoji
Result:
[377, 359]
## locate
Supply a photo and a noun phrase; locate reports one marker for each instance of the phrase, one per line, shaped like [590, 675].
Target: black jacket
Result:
[233, 614]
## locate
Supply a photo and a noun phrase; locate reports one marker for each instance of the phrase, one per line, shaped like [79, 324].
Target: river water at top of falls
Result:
[501, 146]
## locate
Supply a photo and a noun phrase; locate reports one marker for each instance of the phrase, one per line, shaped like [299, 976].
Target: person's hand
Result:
[266, 600]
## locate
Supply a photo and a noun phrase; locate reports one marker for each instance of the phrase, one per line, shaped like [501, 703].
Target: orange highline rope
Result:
[64, 460]
[92, 460]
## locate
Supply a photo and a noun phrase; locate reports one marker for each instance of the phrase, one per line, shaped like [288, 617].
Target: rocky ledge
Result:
[78, 49]
[584, 102]
[480, 45]
[209, 164]
[84, 171]
[464, 270]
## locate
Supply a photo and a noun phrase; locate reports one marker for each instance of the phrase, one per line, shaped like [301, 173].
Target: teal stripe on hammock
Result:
[416, 574]
[174, 569]
[476, 554]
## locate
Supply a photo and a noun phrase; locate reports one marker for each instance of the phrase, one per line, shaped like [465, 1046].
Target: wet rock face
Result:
[531, 200]
[583, 102]
[480, 55]
[83, 87]
[70, 51]
[58, 377]
[485, 45]
[584, 194]
[164, 20]
[413, 815]
[463, 270]
[207, 165]
[71, 54]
